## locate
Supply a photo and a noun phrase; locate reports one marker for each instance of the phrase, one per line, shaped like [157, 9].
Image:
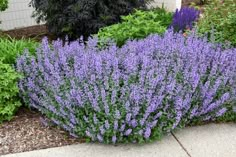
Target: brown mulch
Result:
[33, 32]
[188, 2]
[27, 132]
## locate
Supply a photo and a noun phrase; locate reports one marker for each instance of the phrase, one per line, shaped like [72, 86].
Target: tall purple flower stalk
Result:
[129, 93]
[184, 18]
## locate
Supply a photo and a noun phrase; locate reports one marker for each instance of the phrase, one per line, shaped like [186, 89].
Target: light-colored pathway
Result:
[209, 141]
[213, 140]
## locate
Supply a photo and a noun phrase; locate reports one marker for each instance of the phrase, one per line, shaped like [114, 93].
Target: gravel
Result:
[27, 132]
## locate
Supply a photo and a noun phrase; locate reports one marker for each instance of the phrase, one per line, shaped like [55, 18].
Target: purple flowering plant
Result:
[135, 93]
[184, 18]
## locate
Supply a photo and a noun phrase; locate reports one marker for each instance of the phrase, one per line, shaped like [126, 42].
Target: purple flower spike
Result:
[159, 83]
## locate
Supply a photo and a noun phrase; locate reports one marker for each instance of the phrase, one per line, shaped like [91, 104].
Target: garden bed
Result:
[135, 92]
[26, 132]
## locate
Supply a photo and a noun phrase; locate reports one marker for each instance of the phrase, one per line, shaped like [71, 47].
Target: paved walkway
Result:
[213, 140]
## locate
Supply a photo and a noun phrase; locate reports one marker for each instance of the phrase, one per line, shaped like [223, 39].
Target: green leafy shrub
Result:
[137, 26]
[77, 18]
[9, 101]
[219, 16]
[10, 48]
[3, 5]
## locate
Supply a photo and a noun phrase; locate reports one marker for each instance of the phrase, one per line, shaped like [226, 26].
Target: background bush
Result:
[137, 26]
[82, 17]
[219, 16]
[135, 93]
[9, 100]
[11, 48]
[3, 5]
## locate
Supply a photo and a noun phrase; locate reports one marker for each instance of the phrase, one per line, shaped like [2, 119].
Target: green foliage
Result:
[203, 2]
[137, 26]
[3, 5]
[219, 16]
[9, 101]
[10, 48]
[229, 116]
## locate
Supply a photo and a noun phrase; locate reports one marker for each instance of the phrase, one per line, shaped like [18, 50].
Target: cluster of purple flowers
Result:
[184, 18]
[135, 93]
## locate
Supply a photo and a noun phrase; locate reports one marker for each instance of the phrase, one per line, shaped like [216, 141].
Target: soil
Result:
[27, 132]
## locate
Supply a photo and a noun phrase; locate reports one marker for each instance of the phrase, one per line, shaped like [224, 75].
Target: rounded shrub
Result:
[9, 101]
[9, 91]
[135, 93]
[77, 18]
[3, 5]
[137, 25]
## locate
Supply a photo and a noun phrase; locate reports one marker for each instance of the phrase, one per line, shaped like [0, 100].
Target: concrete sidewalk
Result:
[213, 140]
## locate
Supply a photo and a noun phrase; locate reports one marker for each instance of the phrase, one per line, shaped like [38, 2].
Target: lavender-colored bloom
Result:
[147, 132]
[107, 125]
[153, 124]
[114, 139]
[117, 114]
[130, 90]
[140, 132]
[85, 119]
[142, 122]
[102, 130]
[100, 138]
[122, 128]
[136, 110]
[95, 120]
[116, 125]
[127, 106]
[128, 132]
[88, 133]
[106, 107]
[128, 117]
[134, 123]
[113, 97]
[221, 112]
[66, 127]
[159, 114]
[74, 135]
[194, 112]
[73, 119]
[44, 121]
